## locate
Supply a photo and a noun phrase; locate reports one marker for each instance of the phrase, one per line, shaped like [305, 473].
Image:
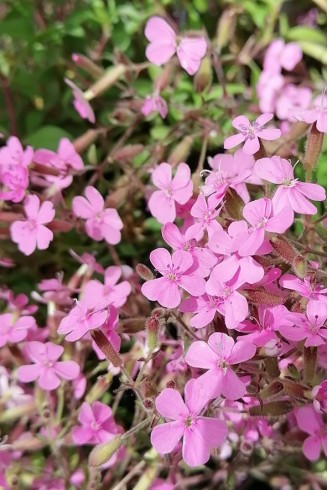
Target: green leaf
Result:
[47, 137]
[309, 34]
[316, 51]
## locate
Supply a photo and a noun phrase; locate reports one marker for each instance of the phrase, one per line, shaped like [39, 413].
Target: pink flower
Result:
[97, 424]
[290, 193]
[217, 355]
[81, 320]
[80, 103]
[164, 44]
[200, 434]
[306, 287]
[15, 182]
[204, 214]
[108, 328]
[267, 89]
[222, 285]
[46, 368]
[309, 326]
[154, 103]
[311, 423]
[13, 155]
[251, 132]
[292, 98]
[65, 156]
[176, 273]
[280, 55]
[177, 189]
[319, 396]
[261, 216]
[97, 294]
[13, 330]
[318, 114]
[101, 223]
[205, 307]
[31, 233]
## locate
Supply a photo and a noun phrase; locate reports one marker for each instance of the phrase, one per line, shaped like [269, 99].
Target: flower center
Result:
[190, 422]
[251, 130]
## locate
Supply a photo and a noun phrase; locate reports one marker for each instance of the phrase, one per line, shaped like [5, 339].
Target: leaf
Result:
[47, 137]
[316, 51]
[311, 35]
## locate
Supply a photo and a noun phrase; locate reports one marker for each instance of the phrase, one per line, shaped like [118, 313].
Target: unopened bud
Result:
[131, 325]
[263, 297]
[84, 141]
[158, 312]
[225, 27]
[272, 367]
[144, 272]
[234, 204]
[294, 389]
[164, 78]
[60, 225]
[123, 116]
[170, 384]
[107, 348]
[152, 327]
[109, 77]
[313, 150]
[148, 404]
[300, 266]
[246, 448]
[284, 249]
[103, 452]
[87, 65]
[99, 388]
[272, 409]
[17, 412]
[127, 152]
[271, 390]
[204, 76]
[310, 361]
[181, 151]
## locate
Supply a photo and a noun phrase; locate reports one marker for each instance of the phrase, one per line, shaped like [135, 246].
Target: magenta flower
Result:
[217, 355]
[101, 223]
[81, 320]
[164, 44]
[177, 272]
[251, 132]
[15, 182]
[46, 368]
[222, 285]
[13, 330]
[309, 326]
[318, 114]
[292, 99]
[307, 287]
[177, 189]
[97, 424]
[200, 434]
[81, 105]
[205, 307]
[65, 156]
[154, 103]
[310, 421]
[319, 396]
[204, 214]
[31, 233]
[290, 193]
[262, 218]
[97, 294]
[280, 55]
[13, 154]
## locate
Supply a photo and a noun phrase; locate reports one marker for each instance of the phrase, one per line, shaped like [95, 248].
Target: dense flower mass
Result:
[164, 305]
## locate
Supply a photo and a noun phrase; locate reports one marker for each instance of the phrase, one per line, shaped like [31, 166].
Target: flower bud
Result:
[294, 389]
[234, 205]
[127, 152]
[106, 347]
[131, 325]
[181, 151]
[99, 388]
[204, 76]
[87, 138]
[271, 390]
[15, 413]
[263, 297]
[87, 65]
[284, 248]
[225, 28]
[272, 367]
[310, 361]
[275, 408]
[103, 452]
[144, 272]
[110, 76]
[313, 150]
[152, 328]
[300, 266]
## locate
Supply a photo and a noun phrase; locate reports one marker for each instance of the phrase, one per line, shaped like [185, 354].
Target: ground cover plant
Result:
[163, 245]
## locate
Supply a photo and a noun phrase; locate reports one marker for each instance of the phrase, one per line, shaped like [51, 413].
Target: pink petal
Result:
[281, 221]
[162, 207]
[213, 431]
[233, 141]
[252, 243]
[190, 52]
[252, 146]
[312, 448]
[291, 56]
[172, 235]
[312, 191]
[67, 369]
[201, 355]
[240, 121]
[308, 420]
[222, 344]
[46, 213]
[23, 236]
[53, 351]
[165, 437]
[48, 379]
[184, 194]
[36, 351]
[294, 333]
[162, 176]
[264, 119]
[241, 352]
[269, 134]
[44, 237]
[195, 451]
[232, 387]
[82, 208]
[101, 412]
[95, 198]
[256, 210]
[170, 405]
[161, 259]
[196, 396]
[182, 176]
[29, 373]
[193, 284]
[322, 122]
[31, 206]
[86, 415]
[82, 435]
[158, 29]
[274, 169]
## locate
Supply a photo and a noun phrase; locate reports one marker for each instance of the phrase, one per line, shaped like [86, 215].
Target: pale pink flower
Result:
[319, 396]
[65, 156]
[280, 55]
[291, 99]
[309, 326]
[164, 44]
[177, 189]
[183, 420]
[15, 182]
[31, 233]
[81, 320]
[13, 155]
[205, 213]
[222, 285]
[97, 294]
[177, 273]
[204, 307]
[290, 193]
[159, 484]
[262, 218]
[216, 356]
[267, 89]
[318, 114]
[228, 171]
[307, 287]
[13, 329]
[80, 103]
[251, 132]
[97, 424]
[310, 421]
[154, 103]
[101, 223]
[46, 368]
[11, 395]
